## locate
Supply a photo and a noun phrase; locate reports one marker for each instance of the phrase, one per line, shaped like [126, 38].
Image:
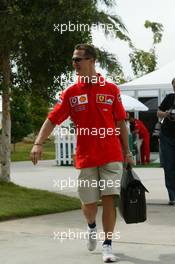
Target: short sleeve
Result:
[118, 109]
[61, 110]
[167, 102]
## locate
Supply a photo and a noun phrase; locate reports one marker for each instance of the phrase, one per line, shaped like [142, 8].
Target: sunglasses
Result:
[77, 59]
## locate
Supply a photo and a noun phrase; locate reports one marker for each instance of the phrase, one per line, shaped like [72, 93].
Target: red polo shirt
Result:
[94, 108]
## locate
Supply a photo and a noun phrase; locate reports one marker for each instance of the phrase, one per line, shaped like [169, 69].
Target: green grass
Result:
[18, 202]
[150, 165]
[22, 151]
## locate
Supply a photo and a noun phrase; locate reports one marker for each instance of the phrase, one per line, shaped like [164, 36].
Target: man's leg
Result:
[110, 176]
[109, 215]
[143, 152]
[147, 148]
[90, 212]
[89, 195]
[168, 155]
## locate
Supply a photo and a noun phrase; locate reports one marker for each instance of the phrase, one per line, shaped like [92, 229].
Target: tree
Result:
[29, 39]
[157, 29]
[143, 62]
[20, 116]
[42, 62]
[38, 110]
[8, 32]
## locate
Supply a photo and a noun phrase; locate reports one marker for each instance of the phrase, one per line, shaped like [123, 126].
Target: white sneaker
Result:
[91, 238]
[108, 257]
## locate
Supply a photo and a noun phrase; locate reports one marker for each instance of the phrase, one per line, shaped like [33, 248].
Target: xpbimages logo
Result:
[69, 79]
[62, 184]
[100, 132]
[72, 235]
[72, 27]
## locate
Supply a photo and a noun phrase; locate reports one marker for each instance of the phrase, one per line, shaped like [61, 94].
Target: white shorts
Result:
[99, 181]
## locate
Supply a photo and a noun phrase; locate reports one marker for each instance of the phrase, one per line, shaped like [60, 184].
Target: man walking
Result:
[96, 109]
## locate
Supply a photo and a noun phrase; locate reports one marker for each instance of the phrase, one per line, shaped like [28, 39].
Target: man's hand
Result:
[129, 160]
[163, 114]
[37, 149]
[167, 113]
[36, 153]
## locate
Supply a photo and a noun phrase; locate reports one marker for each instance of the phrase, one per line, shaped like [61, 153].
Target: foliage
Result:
[143, 62]
[38, 111]
[108, 61]
[44, 52]
[157, 29]
[20, 116]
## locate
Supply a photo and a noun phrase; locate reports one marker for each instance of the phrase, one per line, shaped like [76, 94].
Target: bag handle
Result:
[127, 166]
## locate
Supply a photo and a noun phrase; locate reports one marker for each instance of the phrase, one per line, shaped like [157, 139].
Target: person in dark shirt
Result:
[166, 111]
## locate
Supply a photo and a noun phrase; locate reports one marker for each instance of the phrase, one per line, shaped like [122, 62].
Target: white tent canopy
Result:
[131, 104]
[156, 83]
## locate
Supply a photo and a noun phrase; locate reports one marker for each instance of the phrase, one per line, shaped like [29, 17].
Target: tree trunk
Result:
[6, 120]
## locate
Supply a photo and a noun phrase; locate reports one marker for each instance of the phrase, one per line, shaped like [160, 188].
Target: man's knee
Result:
[89, 207]
[109, 201]
[109, 197]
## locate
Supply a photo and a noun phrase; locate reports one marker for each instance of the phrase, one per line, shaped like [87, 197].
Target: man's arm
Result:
[124, 140]
[45, 131]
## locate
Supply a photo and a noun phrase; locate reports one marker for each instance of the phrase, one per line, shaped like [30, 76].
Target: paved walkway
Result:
[47, 176]
[38, 239]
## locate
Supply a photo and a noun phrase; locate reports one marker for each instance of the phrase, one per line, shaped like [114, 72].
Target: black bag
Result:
[132, 204]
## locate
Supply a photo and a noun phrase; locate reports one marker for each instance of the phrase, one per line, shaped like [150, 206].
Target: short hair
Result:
[90, 50]
[173, 80]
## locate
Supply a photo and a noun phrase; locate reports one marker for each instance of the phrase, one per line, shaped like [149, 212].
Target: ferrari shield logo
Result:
[101, 98]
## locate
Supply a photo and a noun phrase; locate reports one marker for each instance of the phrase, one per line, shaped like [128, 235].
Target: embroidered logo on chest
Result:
[105, 99]
[79, 100]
